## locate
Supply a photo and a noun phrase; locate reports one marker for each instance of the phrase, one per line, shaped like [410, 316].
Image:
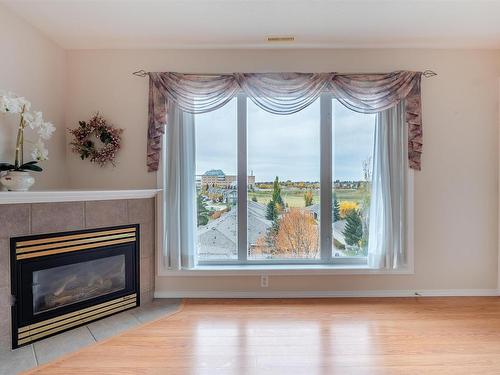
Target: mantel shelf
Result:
[41, 196]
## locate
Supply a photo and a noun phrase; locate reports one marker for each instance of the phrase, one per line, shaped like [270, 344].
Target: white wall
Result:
[34, 67]
[456, 193]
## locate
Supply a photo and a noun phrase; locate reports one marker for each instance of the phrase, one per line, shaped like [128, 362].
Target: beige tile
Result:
[105, 213]
[156, 309]
[5, 321]
[63, 343]
[14, 220]
[4, 262]
[57, 217]
[112, 325]
[153, 274]
[141, 210]
[146, 297]
[146, 270]
[147, 236]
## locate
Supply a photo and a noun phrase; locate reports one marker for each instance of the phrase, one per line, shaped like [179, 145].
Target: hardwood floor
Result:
[307, 336]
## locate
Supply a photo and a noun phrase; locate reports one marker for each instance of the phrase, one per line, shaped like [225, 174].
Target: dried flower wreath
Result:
[96, 129]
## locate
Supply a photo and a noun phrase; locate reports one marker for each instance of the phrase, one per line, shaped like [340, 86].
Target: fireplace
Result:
[64, 280]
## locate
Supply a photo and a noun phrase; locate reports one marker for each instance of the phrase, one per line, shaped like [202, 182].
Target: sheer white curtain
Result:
[180, 192]
[387, 241]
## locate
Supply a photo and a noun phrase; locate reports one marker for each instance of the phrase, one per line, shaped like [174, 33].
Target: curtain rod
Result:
[426, 73]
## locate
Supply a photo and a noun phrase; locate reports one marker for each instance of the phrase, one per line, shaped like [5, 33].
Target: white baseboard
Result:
[330, 294]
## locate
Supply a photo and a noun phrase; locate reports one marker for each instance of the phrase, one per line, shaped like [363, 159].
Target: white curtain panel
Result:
[387, 242]
[180, 192]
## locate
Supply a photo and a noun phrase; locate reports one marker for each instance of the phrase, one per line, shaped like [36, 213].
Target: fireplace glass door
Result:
[65, 285]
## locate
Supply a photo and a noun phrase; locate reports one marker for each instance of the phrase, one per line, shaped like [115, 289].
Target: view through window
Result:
[352, 140]
[283, 203]
[216, 173]
[283, 166]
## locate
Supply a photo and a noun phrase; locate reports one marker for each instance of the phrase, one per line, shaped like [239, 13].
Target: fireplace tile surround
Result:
[35, 218]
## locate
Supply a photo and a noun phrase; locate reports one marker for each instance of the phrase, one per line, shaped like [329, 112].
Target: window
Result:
[283, 188]
[352, 142]
[283, 197]
[216, 194]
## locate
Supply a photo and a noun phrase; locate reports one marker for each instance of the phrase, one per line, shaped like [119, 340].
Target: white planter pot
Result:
[17, 181]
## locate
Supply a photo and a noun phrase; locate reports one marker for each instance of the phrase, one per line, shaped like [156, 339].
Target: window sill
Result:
[284, 270]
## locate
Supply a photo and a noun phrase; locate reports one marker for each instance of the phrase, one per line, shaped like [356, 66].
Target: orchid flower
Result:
[12, 103]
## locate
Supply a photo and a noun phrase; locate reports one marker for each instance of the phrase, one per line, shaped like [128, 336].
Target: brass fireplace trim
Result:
[73, 237]
[64, 244]
[50, 326]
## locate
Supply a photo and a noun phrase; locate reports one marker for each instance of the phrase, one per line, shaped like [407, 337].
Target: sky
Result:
[287, 146]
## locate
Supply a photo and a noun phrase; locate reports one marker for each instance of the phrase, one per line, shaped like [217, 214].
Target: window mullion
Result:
[242, 178]
[326, 126]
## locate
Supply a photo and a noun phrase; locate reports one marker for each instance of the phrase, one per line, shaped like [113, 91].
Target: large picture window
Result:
[283, 188]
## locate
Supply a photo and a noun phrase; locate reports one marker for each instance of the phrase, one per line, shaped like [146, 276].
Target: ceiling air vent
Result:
[280, 39]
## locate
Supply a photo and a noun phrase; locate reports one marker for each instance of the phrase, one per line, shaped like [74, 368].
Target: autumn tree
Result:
[346, 207]
[353, 231]
[308, 198]
[297, 234]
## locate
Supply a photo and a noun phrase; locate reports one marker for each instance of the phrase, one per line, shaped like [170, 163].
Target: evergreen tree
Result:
[353, 231]
[276, 203]
[336, 208]
[271, 211]
[203, 212]
[276, 198]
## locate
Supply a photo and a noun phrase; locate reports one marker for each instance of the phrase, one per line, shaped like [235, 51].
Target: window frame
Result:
[326, 185]
[168, 263]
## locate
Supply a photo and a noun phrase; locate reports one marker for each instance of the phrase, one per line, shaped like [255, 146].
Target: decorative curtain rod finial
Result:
[429, 73]
[140, 73]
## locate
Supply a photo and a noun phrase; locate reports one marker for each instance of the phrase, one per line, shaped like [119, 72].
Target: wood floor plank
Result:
[305, 336]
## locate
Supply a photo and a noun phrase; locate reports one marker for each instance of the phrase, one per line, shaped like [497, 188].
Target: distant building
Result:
[217, 178]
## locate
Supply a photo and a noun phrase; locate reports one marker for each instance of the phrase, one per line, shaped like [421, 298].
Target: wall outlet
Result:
[264, 281]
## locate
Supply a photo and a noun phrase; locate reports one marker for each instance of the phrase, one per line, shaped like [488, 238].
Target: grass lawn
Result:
[295, 198]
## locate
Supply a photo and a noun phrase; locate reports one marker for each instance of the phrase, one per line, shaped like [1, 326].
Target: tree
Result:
[275, 205]
[308, 198]
[336, 208]
[297, 234]
[353, 231]
[271, 211]
[276, 198]
[203, 212]
[254, 199]
[346, 207]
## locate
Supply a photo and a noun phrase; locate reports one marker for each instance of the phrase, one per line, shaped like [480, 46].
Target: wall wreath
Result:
[96, 130]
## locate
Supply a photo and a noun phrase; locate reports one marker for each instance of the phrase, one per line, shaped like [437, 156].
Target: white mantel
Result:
[41, 196]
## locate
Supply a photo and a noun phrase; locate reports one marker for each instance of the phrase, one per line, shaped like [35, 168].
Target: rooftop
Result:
[214, 172]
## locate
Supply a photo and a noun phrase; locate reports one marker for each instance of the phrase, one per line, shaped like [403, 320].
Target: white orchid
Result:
[45, 130]
[11, 103]
[39, 151]
[33, 119]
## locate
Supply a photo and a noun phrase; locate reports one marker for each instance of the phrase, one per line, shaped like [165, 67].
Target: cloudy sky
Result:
[284, 146]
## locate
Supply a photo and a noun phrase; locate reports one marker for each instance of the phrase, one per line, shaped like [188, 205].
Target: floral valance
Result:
[283, 94]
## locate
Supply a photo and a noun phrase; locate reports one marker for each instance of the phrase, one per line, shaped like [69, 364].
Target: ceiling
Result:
[90, 24]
